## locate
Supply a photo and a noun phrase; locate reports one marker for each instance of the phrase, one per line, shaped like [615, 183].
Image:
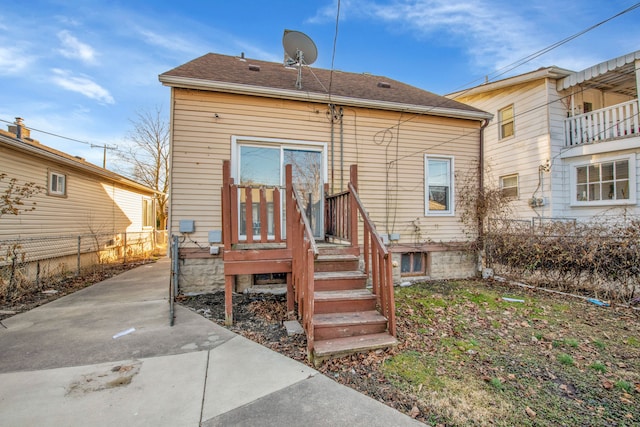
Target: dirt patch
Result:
[115, 377]
[470, 355]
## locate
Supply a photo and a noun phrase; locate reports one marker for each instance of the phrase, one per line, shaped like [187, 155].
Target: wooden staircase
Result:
[345, 318]
[339, 312]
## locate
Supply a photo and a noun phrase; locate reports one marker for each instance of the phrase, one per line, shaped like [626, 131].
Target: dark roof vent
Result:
[384, 85]
[254, 67]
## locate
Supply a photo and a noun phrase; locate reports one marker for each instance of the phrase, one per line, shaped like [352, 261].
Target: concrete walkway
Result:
[63, 364]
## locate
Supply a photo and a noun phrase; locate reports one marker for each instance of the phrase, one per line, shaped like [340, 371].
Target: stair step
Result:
[339, 280]
[341, 301]
[336, 262]
[332, 249]
[342, 346]
[347, 324]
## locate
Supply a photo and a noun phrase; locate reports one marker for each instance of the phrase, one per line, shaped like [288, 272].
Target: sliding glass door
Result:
[264, 166]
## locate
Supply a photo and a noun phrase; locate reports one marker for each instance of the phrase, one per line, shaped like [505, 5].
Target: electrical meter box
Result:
[187, 226]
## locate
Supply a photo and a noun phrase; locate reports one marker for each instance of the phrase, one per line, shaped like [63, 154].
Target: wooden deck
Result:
[339, 313]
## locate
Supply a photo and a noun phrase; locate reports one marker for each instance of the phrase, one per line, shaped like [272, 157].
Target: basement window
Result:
[412, 264]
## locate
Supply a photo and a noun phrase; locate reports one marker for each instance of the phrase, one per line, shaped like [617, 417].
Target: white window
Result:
[438, 178]
[57, 184]
[509, 185]
[147, 213]
[607, 182]
[505, 120]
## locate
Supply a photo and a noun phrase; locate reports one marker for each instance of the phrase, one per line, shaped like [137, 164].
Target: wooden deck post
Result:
[353, 212]
[229, 282]
[288, 200]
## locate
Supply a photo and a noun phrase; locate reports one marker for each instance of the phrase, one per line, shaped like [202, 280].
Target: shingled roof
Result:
[233, 74]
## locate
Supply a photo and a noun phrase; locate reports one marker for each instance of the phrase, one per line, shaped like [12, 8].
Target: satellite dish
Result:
[299, 47]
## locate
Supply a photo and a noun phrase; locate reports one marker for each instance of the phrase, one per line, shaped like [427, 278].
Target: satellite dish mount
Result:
[300, 50]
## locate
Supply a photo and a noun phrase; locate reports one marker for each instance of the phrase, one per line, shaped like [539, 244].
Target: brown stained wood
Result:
[257, 255]
[277, 228]
[248, 213]
[229, 282]
[226, 204]
[235, 215]
[264, 226]
[257, 267]
[341, 346]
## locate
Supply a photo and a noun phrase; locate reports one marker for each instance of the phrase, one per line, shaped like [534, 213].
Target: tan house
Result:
[363, 150]
[82, 209]
[565, 144]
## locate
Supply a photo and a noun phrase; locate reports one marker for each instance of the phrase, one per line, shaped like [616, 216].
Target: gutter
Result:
[242, 89]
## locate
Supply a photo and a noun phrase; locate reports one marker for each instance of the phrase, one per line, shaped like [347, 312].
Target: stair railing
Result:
[304, 252]
[377, 261]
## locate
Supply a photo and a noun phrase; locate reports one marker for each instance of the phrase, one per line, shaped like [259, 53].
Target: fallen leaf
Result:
[530, 412]
[414, 412]
[607, 384]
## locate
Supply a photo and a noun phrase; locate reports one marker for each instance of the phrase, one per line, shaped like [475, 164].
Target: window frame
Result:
[148, 218]
[423, 263]
[450, 211]
[517, 186]
[502, 122]
[50, 182]
[631, 177]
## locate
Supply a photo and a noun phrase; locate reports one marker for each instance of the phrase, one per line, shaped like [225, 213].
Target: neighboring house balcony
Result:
[602, 102]
[605, 124]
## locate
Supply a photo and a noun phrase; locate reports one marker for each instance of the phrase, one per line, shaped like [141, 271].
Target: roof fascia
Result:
[242, 89]
[95, 170]
[543, 73]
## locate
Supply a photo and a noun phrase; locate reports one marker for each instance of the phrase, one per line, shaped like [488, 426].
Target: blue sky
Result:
[82, 69]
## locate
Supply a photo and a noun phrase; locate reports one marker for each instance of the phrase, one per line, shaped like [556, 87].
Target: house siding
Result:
[388, 147]
[91, 205]
[525, 151]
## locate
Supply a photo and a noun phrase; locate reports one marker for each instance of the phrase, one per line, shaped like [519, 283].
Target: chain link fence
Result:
[30, 264]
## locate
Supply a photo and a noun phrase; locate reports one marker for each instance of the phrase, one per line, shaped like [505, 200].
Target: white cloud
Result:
[13, 61]
[75, 49]
[491, 33]
[82, 85]
[173, 43]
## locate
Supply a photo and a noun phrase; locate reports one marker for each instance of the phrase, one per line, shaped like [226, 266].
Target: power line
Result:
[91, 144]
[507, 68]
[333, 53]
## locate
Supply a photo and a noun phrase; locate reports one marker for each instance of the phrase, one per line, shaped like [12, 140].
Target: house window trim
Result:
[422, 272]
[151, 204]
[451, 210]
[517, 186]
[501, 136]
[573, 182]
[50, 192]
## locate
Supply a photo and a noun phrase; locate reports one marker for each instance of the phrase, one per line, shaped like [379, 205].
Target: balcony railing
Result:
[617, 121]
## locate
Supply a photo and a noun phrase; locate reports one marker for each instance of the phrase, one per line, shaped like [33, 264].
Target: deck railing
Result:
[343, 210]
[607, 123]
[304, 252]
[255, 212]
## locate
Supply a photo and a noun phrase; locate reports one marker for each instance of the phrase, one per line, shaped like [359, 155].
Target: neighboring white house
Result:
[564, 144]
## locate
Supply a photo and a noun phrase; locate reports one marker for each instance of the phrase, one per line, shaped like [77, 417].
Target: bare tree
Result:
[147, 156]
[12, 198]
